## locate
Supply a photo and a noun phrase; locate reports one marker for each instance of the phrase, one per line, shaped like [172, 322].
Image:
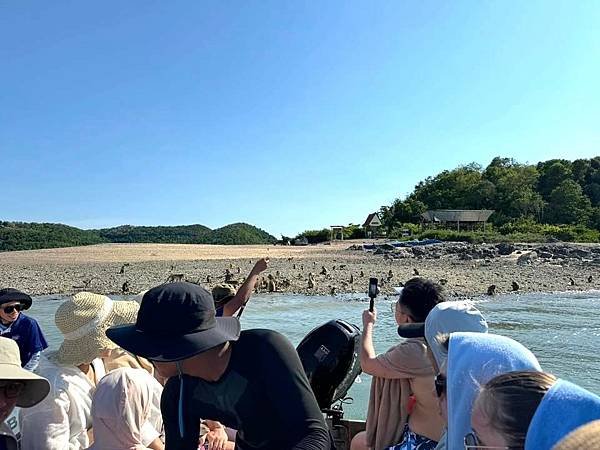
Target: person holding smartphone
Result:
[403, 376]
[24, 330]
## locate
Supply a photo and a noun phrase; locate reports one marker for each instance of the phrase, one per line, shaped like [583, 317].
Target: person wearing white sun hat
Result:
[18, 387]
[63, 419]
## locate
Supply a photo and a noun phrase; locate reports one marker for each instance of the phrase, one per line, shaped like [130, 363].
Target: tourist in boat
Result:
[530, 410]
[445, 318]
[402, 406]
[24, 330]
[251, 381]
[473, 360]
[63, 419]
[122, 411]
[228, 300]
[18, 387]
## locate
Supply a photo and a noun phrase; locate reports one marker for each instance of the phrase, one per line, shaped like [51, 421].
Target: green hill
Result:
[183, 234]
[30, 236]
[240, 234]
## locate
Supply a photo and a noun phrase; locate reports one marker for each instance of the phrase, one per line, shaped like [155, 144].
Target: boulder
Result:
[505, 248]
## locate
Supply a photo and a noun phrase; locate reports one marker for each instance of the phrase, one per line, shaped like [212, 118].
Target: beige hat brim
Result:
[36, 387]
[89, 347]
[586, 436]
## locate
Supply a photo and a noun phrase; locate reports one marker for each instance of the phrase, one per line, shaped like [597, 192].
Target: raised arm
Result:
[245, 290]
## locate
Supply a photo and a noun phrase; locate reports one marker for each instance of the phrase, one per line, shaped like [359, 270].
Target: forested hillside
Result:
[28, 236]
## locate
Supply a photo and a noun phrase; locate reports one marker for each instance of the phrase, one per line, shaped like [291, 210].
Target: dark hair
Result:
[419, 296]
[510, 401]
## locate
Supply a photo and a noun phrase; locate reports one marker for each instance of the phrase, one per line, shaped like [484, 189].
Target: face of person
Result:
[165, 369]
[9, 394]
[9, 317]
[401, 315]
[482, 428]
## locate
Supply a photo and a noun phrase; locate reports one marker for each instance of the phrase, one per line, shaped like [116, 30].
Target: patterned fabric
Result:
[413, 441]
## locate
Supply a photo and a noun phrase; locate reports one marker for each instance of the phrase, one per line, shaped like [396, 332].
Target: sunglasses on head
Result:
[10, 309]
[440, 384]
[473, 442]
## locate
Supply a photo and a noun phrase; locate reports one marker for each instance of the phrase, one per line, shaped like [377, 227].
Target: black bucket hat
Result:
[8, 295]
[175, 321]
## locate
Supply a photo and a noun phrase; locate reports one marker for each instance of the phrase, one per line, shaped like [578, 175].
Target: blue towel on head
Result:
[564, 408]
[473, 360]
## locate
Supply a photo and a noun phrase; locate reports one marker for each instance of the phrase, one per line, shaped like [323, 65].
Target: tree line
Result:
[30, 236]
[555, 192]
[554, 199]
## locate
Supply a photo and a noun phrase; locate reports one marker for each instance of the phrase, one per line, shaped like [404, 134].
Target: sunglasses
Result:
[440, 384]
[473, 442]
[12, 390]
[10, 309]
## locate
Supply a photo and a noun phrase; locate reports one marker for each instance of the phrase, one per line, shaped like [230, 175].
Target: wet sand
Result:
[98, 268]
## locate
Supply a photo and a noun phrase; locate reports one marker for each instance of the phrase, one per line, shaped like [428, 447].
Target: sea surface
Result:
[562, 329]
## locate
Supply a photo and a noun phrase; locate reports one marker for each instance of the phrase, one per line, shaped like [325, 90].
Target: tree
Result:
[568, 204]
[552, 174]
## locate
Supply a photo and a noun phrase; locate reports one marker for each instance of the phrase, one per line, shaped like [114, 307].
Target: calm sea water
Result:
[563, 330]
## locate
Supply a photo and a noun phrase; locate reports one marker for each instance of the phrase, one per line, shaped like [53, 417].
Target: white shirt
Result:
[62, 419]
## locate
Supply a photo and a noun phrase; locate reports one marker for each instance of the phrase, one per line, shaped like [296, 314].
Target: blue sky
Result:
[287, 115]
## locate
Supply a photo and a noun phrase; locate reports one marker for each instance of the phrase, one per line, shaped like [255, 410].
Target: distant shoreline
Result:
[466, 272]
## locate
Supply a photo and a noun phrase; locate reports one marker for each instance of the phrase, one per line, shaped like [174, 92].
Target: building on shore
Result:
[372, 226]
[461, 219]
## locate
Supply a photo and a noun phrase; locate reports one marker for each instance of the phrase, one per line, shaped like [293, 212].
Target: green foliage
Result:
[184, 234]
[240, 234]
[353, 231]
[315, 236]
[398, 231]
[555, 192]
[27, 236]
[569, 204]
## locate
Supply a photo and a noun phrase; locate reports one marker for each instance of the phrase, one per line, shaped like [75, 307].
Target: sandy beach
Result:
[465, 270]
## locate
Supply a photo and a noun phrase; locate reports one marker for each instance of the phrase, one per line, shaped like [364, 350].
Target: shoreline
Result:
[465, 269]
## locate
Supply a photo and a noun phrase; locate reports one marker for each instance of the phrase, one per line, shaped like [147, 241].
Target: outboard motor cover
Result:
[329, 355]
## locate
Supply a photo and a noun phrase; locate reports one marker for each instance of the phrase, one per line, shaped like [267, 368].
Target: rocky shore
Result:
[464, 269]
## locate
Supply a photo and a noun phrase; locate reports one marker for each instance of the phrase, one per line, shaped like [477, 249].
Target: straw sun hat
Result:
[586, 436]
[83, 320]
[36, 388]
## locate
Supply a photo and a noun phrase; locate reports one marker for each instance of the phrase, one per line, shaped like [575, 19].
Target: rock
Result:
[580, 253]
[545, 255]
[505, 248]
[419, 251]
[515, 286]
[526, 258]
[491, 290]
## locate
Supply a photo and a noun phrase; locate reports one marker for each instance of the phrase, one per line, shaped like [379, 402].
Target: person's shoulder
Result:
[27, 321]
[262, 336]
[415, 346]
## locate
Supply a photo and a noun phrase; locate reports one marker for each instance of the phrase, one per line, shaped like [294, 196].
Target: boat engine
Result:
[329, 355]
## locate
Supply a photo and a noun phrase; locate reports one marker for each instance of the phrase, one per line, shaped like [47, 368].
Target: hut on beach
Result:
[372, 225]
[469, 219]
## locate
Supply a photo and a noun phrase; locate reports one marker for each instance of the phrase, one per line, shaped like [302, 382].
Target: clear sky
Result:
[287, 115]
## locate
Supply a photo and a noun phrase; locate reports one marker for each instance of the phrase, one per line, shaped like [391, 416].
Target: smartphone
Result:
[372, 292]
